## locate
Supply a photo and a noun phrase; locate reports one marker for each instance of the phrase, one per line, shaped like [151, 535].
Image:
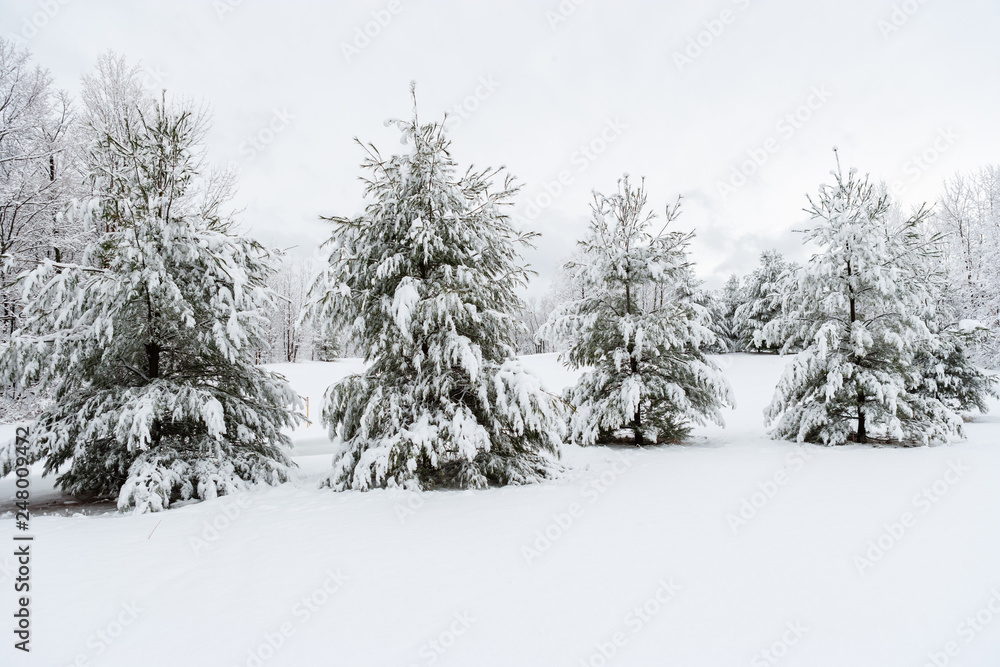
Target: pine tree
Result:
[945, 360]
[726, 302]
[637, 329]
[762, 296]
[860, 311]
[949, 375]
[146, 343]
[424, 283]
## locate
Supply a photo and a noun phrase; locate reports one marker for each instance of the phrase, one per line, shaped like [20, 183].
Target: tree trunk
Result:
[153, 360]
[153, 371]
[862, 435]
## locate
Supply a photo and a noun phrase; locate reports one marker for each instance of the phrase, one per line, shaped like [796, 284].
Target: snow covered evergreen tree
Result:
[945, 359]
[693, 289]
[638, 330]
[724, 305]
[424, 282]
[762, 301]
[146, 343]
[860, 311]
[949, 374]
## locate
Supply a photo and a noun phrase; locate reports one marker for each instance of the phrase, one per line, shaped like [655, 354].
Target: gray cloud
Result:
[557, 84]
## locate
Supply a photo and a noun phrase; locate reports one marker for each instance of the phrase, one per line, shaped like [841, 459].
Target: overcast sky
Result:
[684, 94]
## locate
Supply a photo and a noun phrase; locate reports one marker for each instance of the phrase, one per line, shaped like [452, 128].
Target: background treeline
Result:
[45, 133]
[44, 139]
[967, 219]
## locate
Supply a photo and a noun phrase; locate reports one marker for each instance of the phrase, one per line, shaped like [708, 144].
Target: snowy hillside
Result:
[731, 549]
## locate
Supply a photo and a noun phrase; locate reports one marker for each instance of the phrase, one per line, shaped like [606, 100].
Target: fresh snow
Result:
[466, 578]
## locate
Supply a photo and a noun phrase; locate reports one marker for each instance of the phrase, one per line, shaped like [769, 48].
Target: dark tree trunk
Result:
[153, 371]
[862, 435]
[153, 359]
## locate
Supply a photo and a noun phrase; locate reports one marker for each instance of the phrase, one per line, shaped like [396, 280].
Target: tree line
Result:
[138, 313]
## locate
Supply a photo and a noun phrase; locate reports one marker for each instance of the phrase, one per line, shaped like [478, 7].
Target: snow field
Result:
[731, 549]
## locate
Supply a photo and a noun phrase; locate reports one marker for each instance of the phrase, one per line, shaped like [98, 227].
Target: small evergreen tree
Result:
[762, 297]
[424, 283]
[726, 302]
[638, 330]
[860, 311]
[146, 344]
[950, 376]
[945, 360]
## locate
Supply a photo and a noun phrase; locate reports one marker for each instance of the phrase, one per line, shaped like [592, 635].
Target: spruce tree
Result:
[729, 299]
[638, 330]
[145, 345]
[762, 295]
[424, 282]
[950, 376]
[860, 310]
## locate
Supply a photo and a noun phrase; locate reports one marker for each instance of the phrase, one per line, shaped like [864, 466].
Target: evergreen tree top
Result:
[429, 234]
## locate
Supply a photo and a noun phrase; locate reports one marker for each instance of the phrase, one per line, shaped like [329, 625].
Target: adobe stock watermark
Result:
[302, 611]
[36, 22]
[463, 110]
[918, 164]
[922, 502]
[970, 628]
[153, 76]
[581, 159]
[370, 30]
[102, 639]
[753, 503]
[563, 11]
[712, 30]
[258, 141]
[561, 522]
[786, 128]
[231, 509]
[779, 648]
[634, 622]
[224, 8]
[899, 16]
[404, 510]
[433, 649]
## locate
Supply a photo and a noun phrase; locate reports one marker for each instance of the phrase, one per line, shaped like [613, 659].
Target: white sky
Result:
[556, 85]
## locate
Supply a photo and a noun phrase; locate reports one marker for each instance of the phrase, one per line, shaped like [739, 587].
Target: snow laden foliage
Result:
[761, 302]
[723, 305]
[969, 217]
[145, 343]
[950, 376]
[36, 177]
[637, 329]
[862, 311]
[694, 290]
[424, 283]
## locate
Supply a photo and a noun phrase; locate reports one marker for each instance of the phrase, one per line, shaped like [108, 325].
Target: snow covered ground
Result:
[730, 550]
